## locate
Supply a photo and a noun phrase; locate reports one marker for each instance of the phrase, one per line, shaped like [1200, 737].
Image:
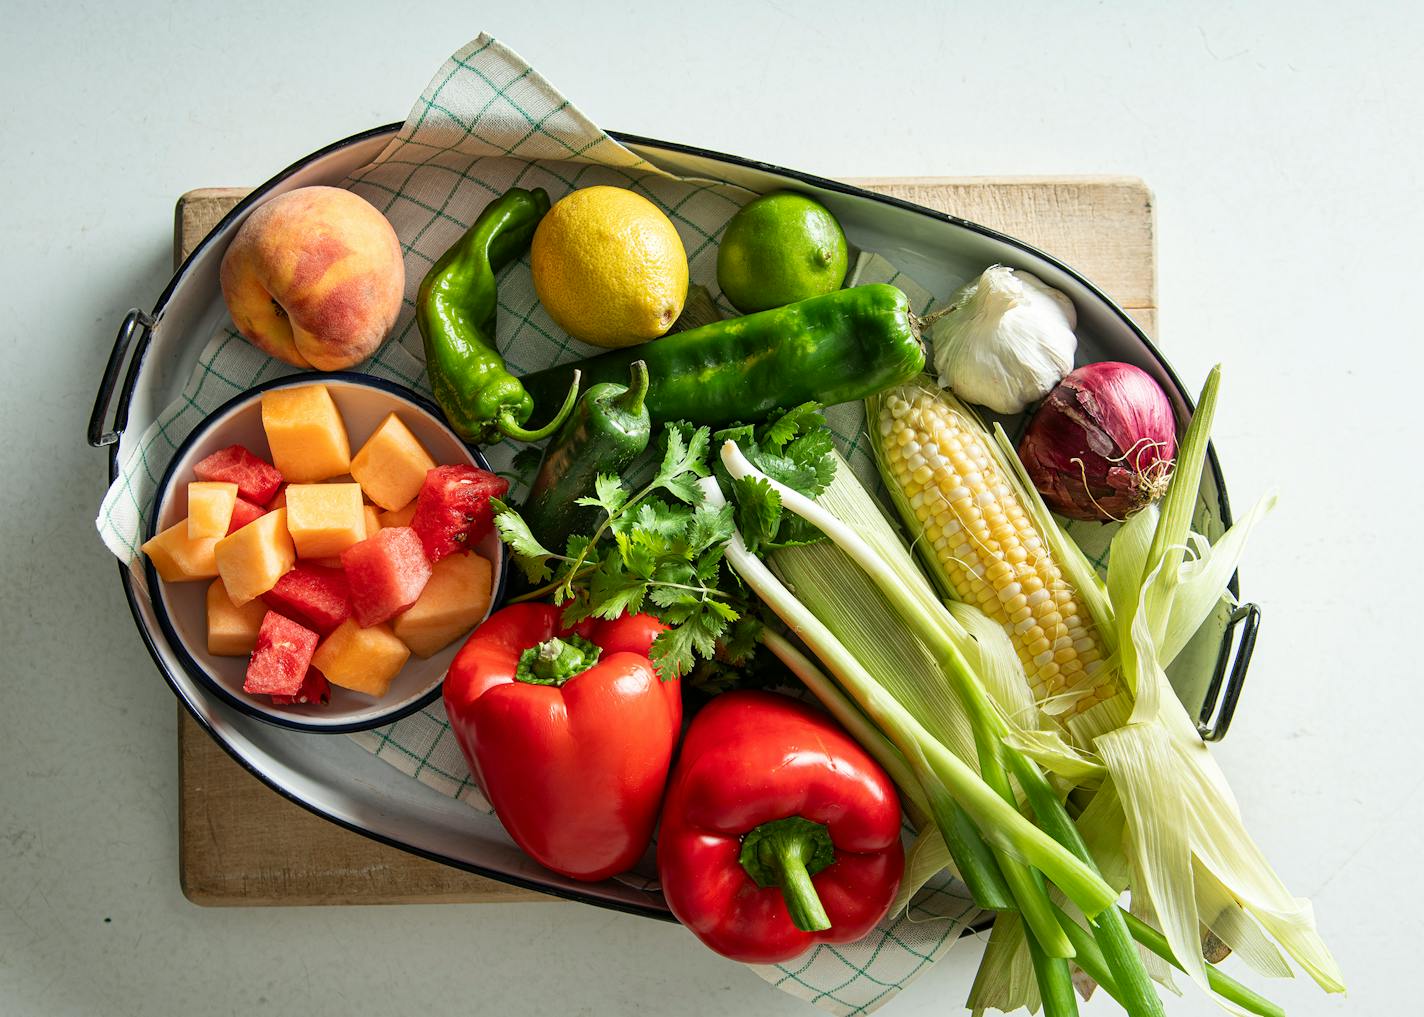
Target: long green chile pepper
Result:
[830, 349]
[608, 429]
[455, 311]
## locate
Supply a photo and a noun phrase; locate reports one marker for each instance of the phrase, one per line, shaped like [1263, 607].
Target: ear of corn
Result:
[980, 543]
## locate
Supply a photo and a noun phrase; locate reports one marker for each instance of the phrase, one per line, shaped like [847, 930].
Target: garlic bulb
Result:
[1006, 340]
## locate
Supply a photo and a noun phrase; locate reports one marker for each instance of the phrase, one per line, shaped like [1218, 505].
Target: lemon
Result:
[609, 267]
[780, 248]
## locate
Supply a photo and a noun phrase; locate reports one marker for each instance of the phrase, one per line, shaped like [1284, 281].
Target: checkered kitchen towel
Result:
[486, 123]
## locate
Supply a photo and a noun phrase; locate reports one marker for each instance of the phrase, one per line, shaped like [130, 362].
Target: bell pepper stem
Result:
[786, 853]
[555, 661]
[631, 401]
[511, 428]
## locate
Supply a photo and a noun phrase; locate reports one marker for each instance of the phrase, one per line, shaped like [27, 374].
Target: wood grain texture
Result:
[240, 843]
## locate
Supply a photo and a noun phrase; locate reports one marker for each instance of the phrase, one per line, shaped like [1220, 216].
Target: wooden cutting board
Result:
[240, 843]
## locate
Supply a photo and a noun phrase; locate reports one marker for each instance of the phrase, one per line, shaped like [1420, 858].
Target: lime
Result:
[780, 248]
[609, 267]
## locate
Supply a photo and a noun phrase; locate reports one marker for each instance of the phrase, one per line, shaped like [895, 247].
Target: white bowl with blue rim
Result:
[181, 608]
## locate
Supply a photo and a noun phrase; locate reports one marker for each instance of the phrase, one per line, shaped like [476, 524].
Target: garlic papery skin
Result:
[1006, 340]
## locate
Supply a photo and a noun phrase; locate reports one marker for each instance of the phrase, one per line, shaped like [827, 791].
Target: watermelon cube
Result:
[315, 689]
[314, 595]
[386, 573]
[452, 512]
[257, 480]
[280, 661]
[243, 512]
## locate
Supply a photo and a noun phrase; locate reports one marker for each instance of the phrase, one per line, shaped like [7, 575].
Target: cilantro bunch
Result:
[659, 547]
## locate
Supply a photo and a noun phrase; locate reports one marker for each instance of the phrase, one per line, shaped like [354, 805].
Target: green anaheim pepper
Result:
[455, 311]
[606, 432]
[835, 348]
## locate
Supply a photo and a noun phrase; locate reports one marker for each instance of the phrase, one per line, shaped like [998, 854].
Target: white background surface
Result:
[1283, 143]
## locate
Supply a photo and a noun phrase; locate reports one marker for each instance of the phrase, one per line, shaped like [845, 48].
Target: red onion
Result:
[1102, 444]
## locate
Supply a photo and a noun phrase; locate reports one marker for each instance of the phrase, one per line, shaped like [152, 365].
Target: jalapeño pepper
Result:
[455, 311]
[606, 432]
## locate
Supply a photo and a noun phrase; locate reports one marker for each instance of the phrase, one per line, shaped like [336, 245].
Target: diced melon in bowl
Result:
[232, 630]
[315, 595]
[280, 660]
[324, 519]
[456, 599]
[259, 570]
[399, 517]
[387, 573]
[210, 505]
[256, 556]
[361, 659]
[257, 480]
[305, 433]
[392, 464]
[178, 558]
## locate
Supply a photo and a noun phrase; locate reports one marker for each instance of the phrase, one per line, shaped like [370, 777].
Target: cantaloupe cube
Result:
[251, 560]
[305, 433]
[373, 519]
[232, 630]
[210, 505]
[324, 519]
[179, 558]
[453, 602]
[401, 516]
[364, 660]
[392, 464]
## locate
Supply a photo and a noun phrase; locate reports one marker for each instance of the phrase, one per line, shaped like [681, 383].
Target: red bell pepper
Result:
[778, 831]
[568, 732]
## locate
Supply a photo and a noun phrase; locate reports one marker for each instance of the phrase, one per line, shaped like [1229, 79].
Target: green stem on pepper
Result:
[556, 660]
[786, 853]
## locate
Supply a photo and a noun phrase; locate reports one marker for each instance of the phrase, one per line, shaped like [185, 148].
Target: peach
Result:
[314, 277]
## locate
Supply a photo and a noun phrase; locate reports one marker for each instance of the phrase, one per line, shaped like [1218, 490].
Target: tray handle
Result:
[1231, 662]
[134, 321]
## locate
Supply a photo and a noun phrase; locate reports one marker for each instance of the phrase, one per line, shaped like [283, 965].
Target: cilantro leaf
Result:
[684, 462]
[709, 527]
[531, 556]
[758, 511]
[797, 420]
[609, 494]
[672, 652]
[656, 516]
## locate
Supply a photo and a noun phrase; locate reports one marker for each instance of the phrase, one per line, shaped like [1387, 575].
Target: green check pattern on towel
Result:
[488, 122]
